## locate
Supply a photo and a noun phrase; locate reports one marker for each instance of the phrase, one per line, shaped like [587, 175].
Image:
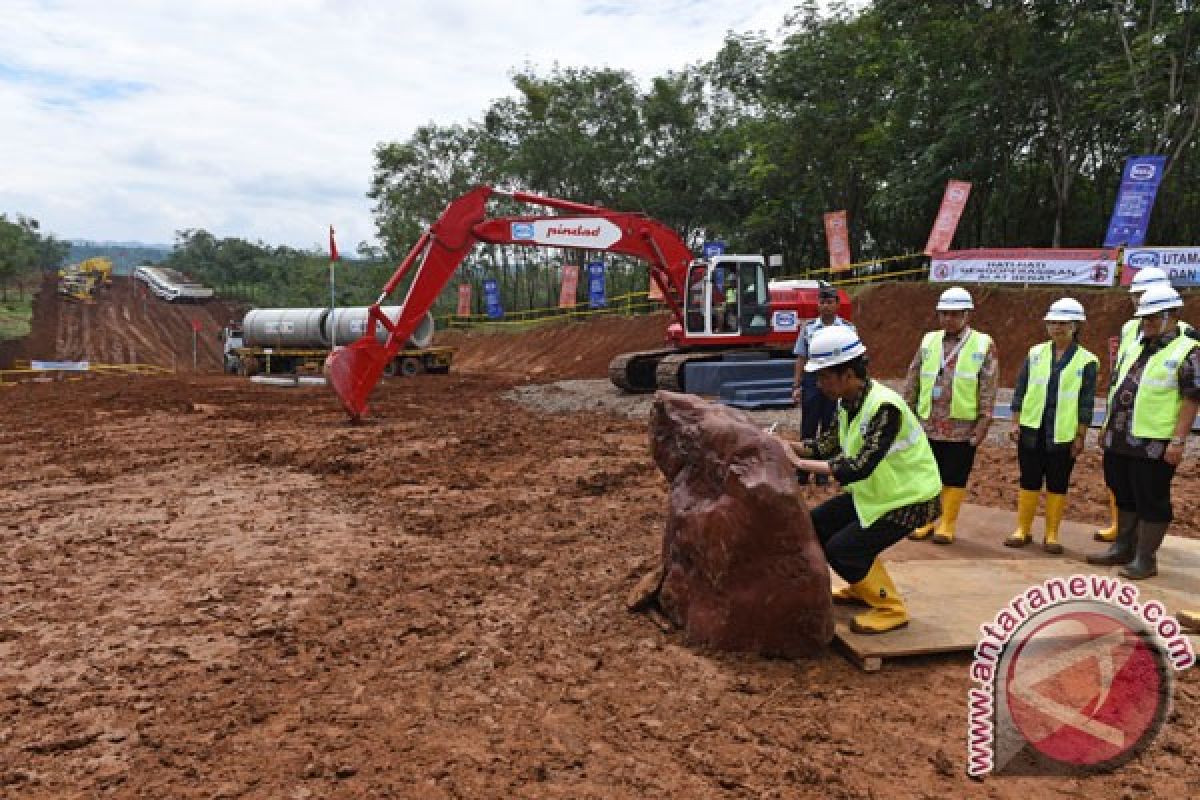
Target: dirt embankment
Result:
[124, 326]
[890, 317]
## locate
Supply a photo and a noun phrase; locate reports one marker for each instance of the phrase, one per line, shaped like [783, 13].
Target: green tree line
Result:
[1036, 103]
[25, 252]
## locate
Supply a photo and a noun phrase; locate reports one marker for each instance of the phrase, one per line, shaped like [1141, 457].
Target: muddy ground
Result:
[215, 589]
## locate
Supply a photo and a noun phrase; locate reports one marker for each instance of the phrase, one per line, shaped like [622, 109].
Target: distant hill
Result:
[124, 255]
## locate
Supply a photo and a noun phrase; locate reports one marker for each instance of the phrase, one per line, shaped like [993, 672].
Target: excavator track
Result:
[669, 374]
[636, 372]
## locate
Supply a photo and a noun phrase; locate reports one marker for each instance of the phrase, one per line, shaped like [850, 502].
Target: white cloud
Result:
[257, 119]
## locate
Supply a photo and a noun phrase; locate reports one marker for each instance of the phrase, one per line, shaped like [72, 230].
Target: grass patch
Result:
[16, 314]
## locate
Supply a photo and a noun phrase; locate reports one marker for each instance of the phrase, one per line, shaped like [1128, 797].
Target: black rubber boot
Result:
[1121, 551]
[1145, 563]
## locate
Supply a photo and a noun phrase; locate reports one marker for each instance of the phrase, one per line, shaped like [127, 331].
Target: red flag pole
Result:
[333, 257]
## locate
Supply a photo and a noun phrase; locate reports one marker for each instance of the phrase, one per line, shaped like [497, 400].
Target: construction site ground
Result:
[217, 589]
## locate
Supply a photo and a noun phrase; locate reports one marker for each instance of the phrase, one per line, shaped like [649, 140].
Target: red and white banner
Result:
[1050, 267]
[954, 200]
[837, 237]
[570, 282]
[464, 300]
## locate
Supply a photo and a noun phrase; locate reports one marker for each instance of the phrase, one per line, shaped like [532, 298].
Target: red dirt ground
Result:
[215, 589]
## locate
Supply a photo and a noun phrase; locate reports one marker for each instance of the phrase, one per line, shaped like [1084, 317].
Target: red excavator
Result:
[719, 304]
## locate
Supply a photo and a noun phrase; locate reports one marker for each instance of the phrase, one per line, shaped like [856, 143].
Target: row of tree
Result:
[24, 252]
[1035, 102]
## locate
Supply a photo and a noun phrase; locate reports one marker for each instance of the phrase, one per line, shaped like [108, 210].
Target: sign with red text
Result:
[1047, 266]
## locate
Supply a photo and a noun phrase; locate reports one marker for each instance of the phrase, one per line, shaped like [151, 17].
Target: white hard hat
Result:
[834, 345]
[1147, 277]
[1068, 309]
[955, 298]
[1156, 299]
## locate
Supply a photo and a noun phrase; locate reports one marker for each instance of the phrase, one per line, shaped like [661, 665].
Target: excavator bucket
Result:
[354, 371]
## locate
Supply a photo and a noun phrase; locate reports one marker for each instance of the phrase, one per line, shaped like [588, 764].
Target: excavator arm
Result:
[355, 370]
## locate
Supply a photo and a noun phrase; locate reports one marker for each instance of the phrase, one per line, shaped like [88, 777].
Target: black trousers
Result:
[954, 460]
[849, 548]
[1142, 485]
[1038, 465]
[816, 410]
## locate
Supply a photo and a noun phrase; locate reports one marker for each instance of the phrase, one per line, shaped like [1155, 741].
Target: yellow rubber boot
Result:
[1109, 534]
[922, 533]
[1026, 509]
[887, 608]
[1056, 506]
[848, 596]
[1189, 620]
[952, 500]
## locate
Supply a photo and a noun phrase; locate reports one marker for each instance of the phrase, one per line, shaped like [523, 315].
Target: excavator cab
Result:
[727, 296]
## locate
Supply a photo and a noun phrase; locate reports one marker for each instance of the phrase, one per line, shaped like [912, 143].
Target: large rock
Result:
[742, 567]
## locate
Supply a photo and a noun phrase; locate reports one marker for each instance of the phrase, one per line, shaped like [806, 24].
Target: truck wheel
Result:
[410, 366]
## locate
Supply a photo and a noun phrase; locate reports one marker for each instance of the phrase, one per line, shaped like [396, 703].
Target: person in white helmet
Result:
[879, 454]
[1152, 405]
[1052, 410]
[951, 385]
[1131, 335]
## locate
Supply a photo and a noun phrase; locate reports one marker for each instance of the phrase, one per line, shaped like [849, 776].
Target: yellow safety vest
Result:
[1070, 381]
[1158, 400]
[1131, 334]
[964, 390]
[908, 474]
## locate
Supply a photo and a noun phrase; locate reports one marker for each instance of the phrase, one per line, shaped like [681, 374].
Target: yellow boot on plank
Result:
[848, 596]
[1026, 509]
[1109, 534]
[922, 533]
[1056, 507]
[952, 500]
[1189, 620]
[887, 608]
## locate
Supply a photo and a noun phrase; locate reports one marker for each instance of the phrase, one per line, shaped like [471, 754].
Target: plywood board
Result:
[949, 599]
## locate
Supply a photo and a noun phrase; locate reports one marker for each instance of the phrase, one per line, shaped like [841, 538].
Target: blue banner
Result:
[596, 298]
[716, 248]
[1135, 200]
[491, 297]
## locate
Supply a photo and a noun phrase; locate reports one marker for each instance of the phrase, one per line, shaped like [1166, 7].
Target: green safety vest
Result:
[964, 390]
[1131, 335]
[1070, 381]
[908, 474]
[1158, 400]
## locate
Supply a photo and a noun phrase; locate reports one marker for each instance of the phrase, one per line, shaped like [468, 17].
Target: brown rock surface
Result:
[743, 570]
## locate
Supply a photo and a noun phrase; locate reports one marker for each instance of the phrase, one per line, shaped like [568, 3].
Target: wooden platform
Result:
[952, 590]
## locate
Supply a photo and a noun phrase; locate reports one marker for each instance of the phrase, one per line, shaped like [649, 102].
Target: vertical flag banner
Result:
[837, 238]
[954, 200]
[1135, 200]
[491, 297]
[464, 300]
[596, 298]
[333, 257]
[570, 282]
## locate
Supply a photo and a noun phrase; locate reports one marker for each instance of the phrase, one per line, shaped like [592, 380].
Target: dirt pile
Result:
[125, 326]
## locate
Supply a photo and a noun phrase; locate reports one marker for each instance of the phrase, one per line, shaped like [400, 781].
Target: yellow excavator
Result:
[100, 268]
[79, 281]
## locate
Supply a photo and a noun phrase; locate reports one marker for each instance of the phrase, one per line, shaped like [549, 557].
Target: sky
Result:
[257, 119]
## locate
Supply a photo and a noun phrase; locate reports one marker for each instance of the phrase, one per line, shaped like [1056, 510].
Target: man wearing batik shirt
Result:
[951, 386]
[1152, 404]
